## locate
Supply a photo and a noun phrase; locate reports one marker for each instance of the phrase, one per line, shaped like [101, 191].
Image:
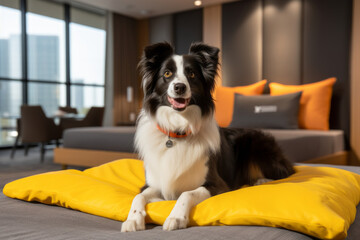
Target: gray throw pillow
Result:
[266, 111]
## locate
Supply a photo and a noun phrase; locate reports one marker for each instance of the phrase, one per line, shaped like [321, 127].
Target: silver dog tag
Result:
[169, 143]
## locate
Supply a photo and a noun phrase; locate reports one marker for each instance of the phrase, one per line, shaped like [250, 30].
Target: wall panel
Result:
[327, 31]
[242, 42]
[161, 29]
[143, 32]
[125, 68]
[188, 28]
[355, 80]
[212, 32]
[282, 41]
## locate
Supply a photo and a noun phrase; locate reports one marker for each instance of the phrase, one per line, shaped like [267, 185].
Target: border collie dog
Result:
[186, 155]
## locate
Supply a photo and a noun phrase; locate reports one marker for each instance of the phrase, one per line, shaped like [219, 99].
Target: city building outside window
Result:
[87, 31]
[46, 80]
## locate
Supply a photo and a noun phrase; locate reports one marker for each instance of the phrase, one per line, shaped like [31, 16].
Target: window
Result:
[10, 40]
[46, 48]
[84, 97]
[45, 41]
[10, 69]
[87, 58]
[40, 76]
[10, 102]
[49, 96]
[46, 55]
[87, 47]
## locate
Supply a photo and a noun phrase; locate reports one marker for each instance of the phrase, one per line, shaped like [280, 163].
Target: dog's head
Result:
[178, 81]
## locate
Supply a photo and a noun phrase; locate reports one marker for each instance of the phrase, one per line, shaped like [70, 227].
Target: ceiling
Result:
[147, 8]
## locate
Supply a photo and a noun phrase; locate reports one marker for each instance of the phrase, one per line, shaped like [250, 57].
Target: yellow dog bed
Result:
[318, 201]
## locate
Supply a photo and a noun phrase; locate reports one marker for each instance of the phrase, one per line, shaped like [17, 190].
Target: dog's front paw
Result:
[172, 223]
[134, 224]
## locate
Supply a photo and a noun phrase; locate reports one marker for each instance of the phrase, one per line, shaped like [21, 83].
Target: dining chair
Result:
[37, 128]
[18, 129]
[17, 140]
[68, 110]
[93, 118]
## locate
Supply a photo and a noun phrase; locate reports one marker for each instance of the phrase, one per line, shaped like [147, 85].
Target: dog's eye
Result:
[167, 74]
[192, 75]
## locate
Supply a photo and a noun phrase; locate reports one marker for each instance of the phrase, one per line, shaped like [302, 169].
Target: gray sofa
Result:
[96, 145]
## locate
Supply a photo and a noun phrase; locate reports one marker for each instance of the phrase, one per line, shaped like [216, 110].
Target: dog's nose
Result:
[179, 88]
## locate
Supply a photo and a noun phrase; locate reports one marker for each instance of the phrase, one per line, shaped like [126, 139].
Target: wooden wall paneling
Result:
[125, 64]
[242, 42]
[212, 32]
[143, 41]
[326, 49]
[212, 25]
[282, 41]
[188, 28]
[355, 80]
[142, 35]
[161, 29]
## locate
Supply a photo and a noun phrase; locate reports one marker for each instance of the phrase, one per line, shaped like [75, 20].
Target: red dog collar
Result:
[173, 134]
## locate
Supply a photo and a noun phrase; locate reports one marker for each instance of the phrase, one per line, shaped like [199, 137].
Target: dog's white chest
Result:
[176, 170]
[183, 166]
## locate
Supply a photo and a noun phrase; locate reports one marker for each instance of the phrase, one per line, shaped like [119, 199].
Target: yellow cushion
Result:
[319, 201]
[315, 102]
[224, 100]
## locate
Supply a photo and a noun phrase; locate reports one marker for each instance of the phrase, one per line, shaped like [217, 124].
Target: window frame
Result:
[24, 58]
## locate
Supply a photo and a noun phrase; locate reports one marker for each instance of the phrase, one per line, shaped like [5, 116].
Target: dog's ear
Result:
[209, 59]
[158, 52]
[150, 63]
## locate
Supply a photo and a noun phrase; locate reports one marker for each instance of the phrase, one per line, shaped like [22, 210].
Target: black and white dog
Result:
[186, 155]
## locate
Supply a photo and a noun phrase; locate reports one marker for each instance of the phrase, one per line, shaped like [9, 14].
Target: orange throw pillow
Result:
[224, 100]
[315, 102]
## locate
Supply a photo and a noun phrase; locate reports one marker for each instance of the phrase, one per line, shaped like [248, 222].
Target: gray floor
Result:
[23, 166]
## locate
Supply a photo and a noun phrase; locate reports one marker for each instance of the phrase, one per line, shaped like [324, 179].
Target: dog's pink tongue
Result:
[178, 102]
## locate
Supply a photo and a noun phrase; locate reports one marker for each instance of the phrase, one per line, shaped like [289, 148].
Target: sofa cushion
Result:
[300, 145]
[314, 103]
[224, 100]
[265, 111]
[120, 139]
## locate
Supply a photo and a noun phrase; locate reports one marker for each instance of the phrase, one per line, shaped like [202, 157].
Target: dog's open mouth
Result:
[178, 103]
